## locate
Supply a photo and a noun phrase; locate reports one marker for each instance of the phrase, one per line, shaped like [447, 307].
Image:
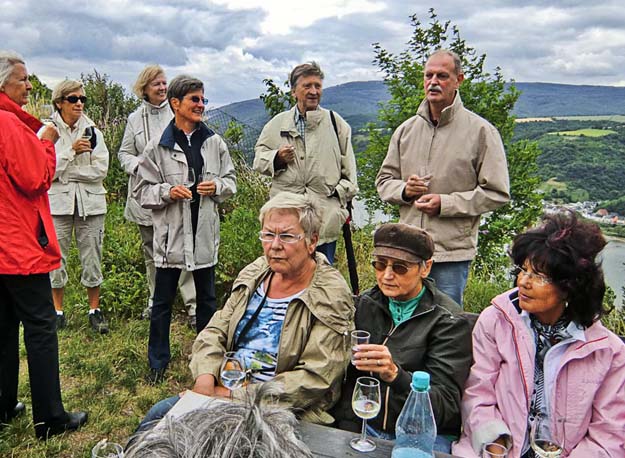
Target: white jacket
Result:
[146, 122]
[78, 177]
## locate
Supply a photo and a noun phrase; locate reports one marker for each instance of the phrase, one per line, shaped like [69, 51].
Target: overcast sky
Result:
[233, 44]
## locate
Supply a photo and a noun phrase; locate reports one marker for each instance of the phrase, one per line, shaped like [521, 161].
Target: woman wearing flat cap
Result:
[414, 327]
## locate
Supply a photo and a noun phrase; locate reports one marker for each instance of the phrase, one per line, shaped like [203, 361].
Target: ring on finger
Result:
[379, 362]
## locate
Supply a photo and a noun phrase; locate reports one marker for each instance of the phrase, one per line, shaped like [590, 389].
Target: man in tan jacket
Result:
[445, 167]
[308, 150]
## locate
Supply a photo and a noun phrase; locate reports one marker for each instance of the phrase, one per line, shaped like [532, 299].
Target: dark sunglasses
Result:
[76, 98]
[398, 267]
[197, 99]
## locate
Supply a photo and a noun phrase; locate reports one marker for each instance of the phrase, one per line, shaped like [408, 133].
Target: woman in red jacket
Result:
[28, 252]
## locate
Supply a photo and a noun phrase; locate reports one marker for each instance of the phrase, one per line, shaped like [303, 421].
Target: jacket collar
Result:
[447, 115]
[313, 119]
[82, 123]
[9, 105]
[319, 298]
[168, 139]
[428, 302]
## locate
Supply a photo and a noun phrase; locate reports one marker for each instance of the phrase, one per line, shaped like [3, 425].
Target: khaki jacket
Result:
[468, 163]
[146, 122]
[161, 167]
[321, 166]
[314, 347]
[78, 178]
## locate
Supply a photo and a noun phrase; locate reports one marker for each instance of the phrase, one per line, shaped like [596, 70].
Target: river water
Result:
[613, 254]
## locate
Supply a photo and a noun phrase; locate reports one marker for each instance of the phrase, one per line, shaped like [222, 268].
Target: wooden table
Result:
[334, 443]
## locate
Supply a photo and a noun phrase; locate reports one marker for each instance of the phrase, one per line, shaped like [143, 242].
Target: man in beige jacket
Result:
[445, 167]
[308, 150]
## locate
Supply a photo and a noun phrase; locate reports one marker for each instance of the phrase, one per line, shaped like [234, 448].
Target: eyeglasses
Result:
[198, 99]
[540, 279]
[76, 98]
[398, 267]
[284, 237]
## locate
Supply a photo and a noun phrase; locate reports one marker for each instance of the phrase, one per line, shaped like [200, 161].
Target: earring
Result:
[566, 304]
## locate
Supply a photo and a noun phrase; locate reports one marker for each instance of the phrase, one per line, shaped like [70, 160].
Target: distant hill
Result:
[358, 102]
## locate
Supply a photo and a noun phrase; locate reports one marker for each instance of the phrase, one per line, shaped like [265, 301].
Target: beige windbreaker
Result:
[314, 347]
[468, 163]
[321, 166]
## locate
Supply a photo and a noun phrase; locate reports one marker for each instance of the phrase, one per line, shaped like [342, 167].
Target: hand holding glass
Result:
[542, 441]
[425, 174]
[366, 404]
[189, 180]
[232, 372]
[359, 338]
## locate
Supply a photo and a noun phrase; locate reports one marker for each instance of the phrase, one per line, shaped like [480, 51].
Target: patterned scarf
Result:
[546, 337]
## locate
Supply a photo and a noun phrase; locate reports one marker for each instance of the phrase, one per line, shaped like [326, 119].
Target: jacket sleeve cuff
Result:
[402, 381]
[489, 432]
[446, 204]
[165, 193]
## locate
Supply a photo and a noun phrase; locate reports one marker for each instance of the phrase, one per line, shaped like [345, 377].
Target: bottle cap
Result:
[420, 381]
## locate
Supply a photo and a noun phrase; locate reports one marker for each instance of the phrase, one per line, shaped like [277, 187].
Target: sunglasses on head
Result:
[76, 98]
[398, 267]
[198, 99]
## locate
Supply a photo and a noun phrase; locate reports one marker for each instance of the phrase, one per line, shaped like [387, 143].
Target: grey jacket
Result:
[324, 168]
[146, 122]
[162, 166]
[78, 178]
[470, 173]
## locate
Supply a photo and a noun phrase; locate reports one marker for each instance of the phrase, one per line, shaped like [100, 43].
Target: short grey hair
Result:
[63, 88]
[308, 69]
[146, 76]
[8, 60]
[306, 209]
[453, 55]
[181, 85]
[257, 428]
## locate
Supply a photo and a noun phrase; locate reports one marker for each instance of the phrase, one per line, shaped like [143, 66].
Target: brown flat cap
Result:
[403, 241]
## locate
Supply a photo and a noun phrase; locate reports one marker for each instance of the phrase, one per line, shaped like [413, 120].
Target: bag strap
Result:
[253, 318]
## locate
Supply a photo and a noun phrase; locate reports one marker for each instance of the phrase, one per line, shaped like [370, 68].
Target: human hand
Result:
[180, 192]
[82, 146]
[205, 384]
[430, 204]
[415, 187]
[377, 359]
[207, 188]
[50, 132]
[286, 153]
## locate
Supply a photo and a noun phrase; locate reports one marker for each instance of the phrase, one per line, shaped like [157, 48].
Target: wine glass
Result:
[46, 112]
[359, 338]
[542, 440]
[425, 174]
[87, 134]
[232, 372]
[494, 450]
[105, 449]
[189, 180]
[366, 404]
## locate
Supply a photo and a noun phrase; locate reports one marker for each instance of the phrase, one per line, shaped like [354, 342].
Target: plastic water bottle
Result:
[415, 430]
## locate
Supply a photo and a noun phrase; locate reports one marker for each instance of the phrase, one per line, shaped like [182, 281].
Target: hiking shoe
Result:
[147, 313]
[98, 322]
[61, 322]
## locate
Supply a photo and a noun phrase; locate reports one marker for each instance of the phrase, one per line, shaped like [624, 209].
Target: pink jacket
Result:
[588, 402]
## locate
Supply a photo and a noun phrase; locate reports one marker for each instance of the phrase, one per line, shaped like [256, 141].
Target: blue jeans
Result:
[158, 411]
[441, 444]
[451, 278]
[328, 249]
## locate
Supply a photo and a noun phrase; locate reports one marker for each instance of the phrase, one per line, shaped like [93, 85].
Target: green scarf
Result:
[402, 310]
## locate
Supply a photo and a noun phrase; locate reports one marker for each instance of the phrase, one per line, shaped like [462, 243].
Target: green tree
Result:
[40, 91]
[276, 99]
[483, 93]
[109, 106]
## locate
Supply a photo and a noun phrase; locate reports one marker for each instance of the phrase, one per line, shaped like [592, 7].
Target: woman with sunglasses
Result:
[545, 366]
[414, 327]
[78, 198]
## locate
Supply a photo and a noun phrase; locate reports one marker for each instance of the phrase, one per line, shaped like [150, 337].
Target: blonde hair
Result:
[146, 76]
[63, 88]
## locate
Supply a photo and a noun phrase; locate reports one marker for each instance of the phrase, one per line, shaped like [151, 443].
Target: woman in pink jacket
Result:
[543, 360]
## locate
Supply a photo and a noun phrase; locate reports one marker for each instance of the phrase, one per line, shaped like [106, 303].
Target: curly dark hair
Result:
[565, 249]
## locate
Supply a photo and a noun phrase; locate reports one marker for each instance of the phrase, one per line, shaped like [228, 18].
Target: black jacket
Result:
[436, 339]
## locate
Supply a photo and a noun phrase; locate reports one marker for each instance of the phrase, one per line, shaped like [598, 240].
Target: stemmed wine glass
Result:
[189, 180]
[232, 372]
[425, 174]
[542, 441]
[366, 404]
[105, 449]
[46, 112]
